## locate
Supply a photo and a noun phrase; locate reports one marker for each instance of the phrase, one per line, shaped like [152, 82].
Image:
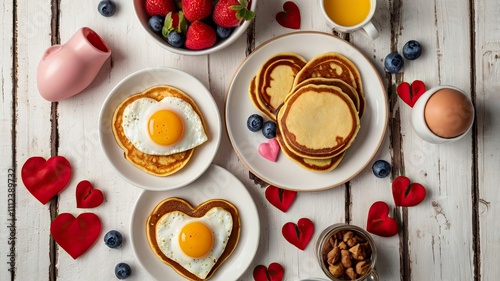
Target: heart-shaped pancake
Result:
[181, 207]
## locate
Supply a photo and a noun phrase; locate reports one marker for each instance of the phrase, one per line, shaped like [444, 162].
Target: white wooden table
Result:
[451, 235]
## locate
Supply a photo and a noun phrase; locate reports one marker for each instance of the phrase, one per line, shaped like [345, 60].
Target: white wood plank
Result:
[487, 54]
[32, 139]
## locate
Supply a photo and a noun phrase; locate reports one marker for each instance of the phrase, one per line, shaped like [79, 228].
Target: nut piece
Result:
[348, 235]
[362, 267]
[336, 270]
[350, 272]
[345, 258]
[358, 252]
[333, 256]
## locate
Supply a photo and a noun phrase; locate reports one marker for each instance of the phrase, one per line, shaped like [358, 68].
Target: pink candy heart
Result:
[270, 150]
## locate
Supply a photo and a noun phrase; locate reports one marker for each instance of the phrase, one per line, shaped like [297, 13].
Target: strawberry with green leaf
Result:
[229, 13]
[174, 29]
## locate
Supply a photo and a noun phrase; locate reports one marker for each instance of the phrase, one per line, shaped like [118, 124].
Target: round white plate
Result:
[285, 173]
[202, 156]
[215, 183]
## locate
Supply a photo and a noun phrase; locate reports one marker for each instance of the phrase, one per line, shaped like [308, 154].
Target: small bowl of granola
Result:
[347, 252]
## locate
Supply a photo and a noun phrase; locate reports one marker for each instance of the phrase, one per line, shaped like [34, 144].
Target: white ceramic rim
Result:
[237, 32]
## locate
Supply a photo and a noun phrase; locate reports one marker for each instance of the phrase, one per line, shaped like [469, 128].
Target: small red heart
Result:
[274, 272]
[298, 234]
[379, 222]
[45, 179]
[410, 94]
[290, 16]
[87, 196]
[407, 194]
[75, 235]
[280, 198]
[270, 149]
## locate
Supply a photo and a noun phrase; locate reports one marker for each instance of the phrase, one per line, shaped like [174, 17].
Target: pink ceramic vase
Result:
[66, 70]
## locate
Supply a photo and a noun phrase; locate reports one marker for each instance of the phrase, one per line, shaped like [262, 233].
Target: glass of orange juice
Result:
[350, 15]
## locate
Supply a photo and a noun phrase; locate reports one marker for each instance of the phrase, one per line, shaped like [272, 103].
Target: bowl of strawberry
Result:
[195, 27]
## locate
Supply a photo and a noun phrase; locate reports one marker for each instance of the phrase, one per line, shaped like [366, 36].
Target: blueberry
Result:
[113, 239]
[107, 8]
[223, 32]
[269, 129]
[156, 23]
[176, 39]
[412, 50]
[381, 168]
[122, 270]
[254, 122]
[393, 62]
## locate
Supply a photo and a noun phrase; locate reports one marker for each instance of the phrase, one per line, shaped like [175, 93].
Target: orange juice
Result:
[347, 12]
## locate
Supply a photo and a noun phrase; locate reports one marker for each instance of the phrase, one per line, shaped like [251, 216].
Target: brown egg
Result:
[448, 113]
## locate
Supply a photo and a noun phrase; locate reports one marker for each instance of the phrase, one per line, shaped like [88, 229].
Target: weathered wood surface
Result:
[452, 235]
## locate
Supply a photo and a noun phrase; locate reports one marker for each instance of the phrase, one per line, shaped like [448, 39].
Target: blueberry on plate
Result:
[223, 32]
[113, 239]
[156, 23]
[381, 168]
[393, 62]
[254, 122]
[122, 270]
[176, 39]
[107, 8]
[412, 50]
[269, 129]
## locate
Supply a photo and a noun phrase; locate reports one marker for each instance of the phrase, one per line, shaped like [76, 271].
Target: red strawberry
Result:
[159, 7]
[200, 36]
[197, 9]
[229, 13]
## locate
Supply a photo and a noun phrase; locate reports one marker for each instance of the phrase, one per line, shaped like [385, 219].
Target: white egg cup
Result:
[418, 118]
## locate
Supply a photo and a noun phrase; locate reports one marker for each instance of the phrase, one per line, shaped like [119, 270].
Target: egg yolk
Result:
[196, 239]
[165, 127]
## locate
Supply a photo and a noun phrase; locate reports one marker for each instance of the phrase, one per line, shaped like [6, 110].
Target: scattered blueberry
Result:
[393, 62]
[269, 129]
[113, 239]
[254, 122]
[381, 168]
[156, 23]
[122, 270]
[412, 50]
[176, 39]
[107, 8]
[223, 32]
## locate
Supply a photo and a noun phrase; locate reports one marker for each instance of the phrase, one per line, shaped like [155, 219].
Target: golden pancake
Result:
[273, 82]
[318, 122]
[159, 165]
[333, 65]
[181, 205]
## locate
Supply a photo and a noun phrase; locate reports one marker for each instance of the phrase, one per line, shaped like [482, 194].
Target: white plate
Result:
[215, 183]
[138, 82]
[285, 173]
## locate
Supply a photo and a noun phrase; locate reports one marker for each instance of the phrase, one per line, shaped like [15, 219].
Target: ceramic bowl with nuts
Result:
[347, 252]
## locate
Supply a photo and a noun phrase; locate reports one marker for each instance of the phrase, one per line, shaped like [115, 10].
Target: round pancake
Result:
[333, 65]
[318, 122]
[178, 204]
[159, 165]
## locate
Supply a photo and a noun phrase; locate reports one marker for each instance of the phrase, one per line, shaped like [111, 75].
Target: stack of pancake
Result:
[317, 106]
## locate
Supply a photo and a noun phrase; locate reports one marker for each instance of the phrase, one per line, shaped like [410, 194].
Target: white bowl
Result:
[143, 18]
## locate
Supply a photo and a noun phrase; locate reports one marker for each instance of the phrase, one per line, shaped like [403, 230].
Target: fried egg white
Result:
[163, 127]
[194, 243]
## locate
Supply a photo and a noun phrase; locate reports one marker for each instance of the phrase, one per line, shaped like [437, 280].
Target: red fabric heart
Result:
[45, 179]
[87, 196]
[290, 16]
[410, 94]
[407, 194]
[379, 222]
[75, 235]
[280, 198]
[270, 150]
[298, 234]
[274, 272]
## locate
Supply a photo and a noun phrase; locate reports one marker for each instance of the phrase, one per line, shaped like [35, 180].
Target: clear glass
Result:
[323, 238]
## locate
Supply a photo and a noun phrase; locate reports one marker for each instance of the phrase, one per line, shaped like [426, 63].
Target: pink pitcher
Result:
[65, 70]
